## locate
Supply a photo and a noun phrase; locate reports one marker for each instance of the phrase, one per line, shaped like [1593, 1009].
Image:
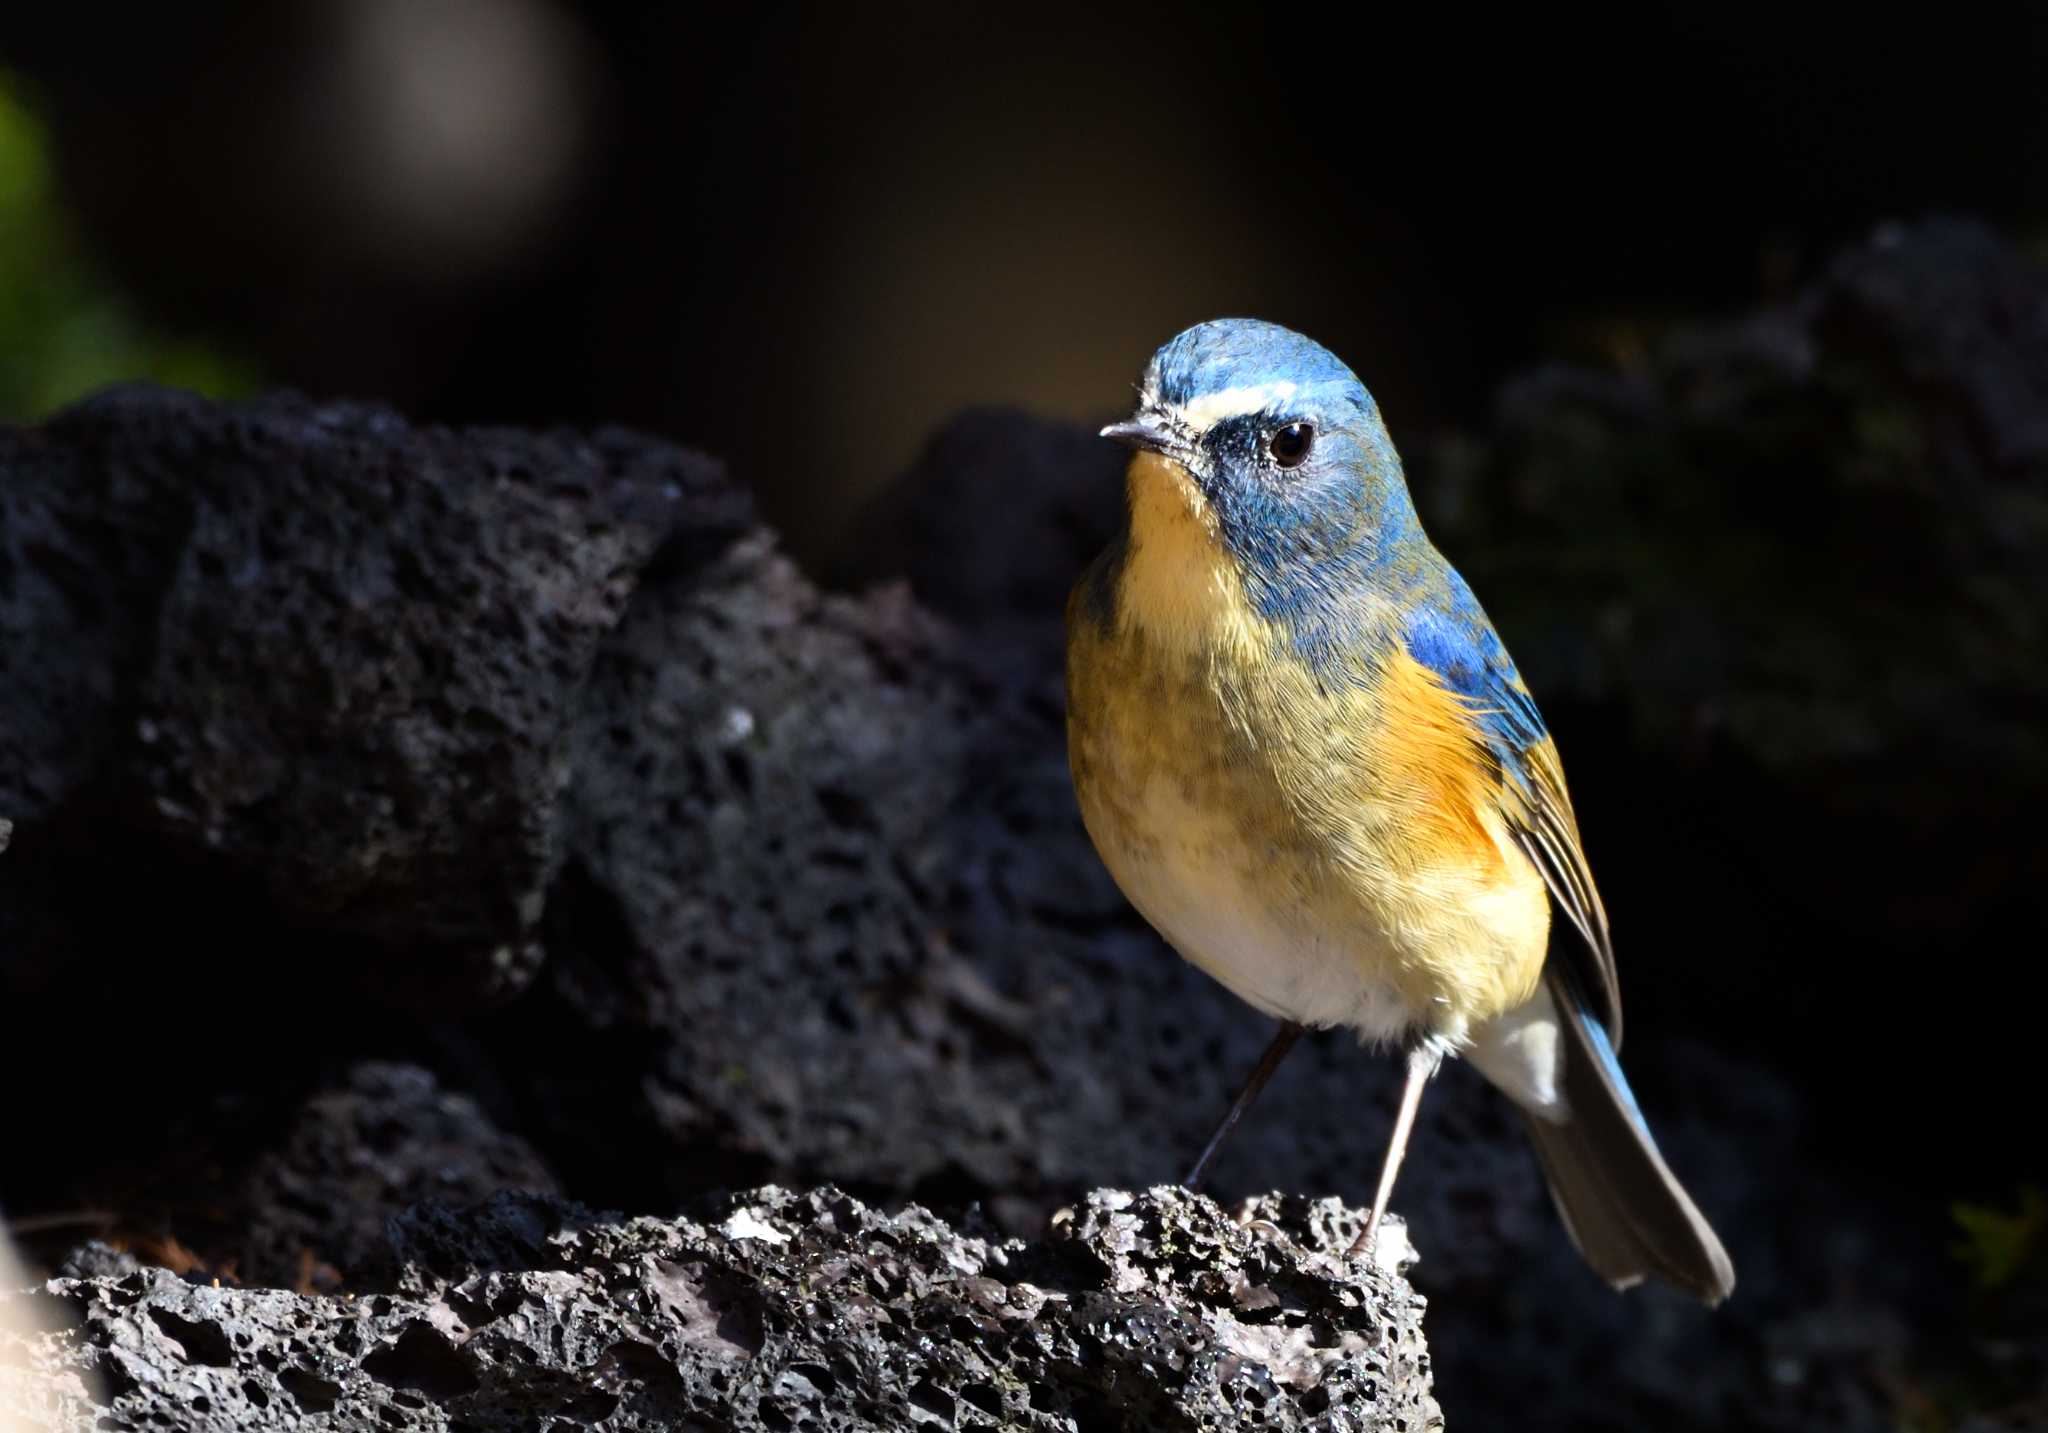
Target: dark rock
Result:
[95, 1260]
[313, 1210]
[994, 520]
[1809, 536]
[990, 526]
[336, 654]
[1780, 588]
[1156, 1310]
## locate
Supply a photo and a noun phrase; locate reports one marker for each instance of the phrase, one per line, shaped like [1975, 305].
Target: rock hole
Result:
[313, 1393]
[847, 811]
[640, 1363]
[818, 1376]
[1094, 1414]
[739, 770]
[934, 1400]
[422, 1360]
[202, 1343]
[591, 1407]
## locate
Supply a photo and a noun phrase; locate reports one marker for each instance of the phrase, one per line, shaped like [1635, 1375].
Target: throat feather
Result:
[1179, 582]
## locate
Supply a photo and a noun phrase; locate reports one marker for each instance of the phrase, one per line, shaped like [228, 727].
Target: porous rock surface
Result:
[774, 1312]
[336, 654]
[355, 1154]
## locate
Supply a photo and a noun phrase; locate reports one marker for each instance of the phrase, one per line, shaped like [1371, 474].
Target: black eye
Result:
[1290, 445]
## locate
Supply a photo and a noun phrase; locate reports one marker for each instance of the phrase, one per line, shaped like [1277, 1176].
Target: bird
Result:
[1306, 758]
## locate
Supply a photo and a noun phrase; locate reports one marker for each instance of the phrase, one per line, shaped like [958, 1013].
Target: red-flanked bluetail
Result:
[1308, 761]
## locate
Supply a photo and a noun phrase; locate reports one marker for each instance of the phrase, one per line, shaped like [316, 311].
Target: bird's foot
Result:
[1383, 1245]
[1368, 1238]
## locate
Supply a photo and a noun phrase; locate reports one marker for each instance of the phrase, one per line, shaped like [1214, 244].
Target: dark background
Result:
[801, 240]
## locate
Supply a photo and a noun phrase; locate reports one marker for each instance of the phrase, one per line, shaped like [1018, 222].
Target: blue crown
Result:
[1230, 353]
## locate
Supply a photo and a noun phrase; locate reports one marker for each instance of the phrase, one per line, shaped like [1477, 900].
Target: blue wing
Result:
[1455, 641]
[1453, 638]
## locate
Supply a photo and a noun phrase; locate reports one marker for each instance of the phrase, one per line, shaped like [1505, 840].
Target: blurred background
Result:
[1788, 636]
[799, 238]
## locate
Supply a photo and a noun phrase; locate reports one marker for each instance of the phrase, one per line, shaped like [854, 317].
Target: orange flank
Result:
[1427, 743]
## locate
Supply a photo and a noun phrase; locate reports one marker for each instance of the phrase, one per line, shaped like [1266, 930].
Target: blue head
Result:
[1287, 452]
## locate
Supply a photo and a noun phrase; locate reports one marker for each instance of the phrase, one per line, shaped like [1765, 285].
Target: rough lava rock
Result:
[777, 1311]
[312, 1210]
[336, 653]
[994, 518]
[990, 525]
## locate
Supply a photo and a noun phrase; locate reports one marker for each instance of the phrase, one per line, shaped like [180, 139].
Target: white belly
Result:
[1248, 918]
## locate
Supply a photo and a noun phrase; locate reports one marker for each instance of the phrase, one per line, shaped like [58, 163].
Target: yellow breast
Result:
[1331, 852]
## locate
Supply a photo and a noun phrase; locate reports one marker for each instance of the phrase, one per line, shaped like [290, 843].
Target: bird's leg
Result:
[1283, 1041]
[1423, 1058]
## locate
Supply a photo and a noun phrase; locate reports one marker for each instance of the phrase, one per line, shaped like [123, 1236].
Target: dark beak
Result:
[1143, 433]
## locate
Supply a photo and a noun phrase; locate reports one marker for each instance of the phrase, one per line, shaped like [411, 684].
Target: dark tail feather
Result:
[1624, 1208]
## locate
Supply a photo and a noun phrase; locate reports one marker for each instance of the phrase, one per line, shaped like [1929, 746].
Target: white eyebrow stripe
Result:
[1207, 411]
